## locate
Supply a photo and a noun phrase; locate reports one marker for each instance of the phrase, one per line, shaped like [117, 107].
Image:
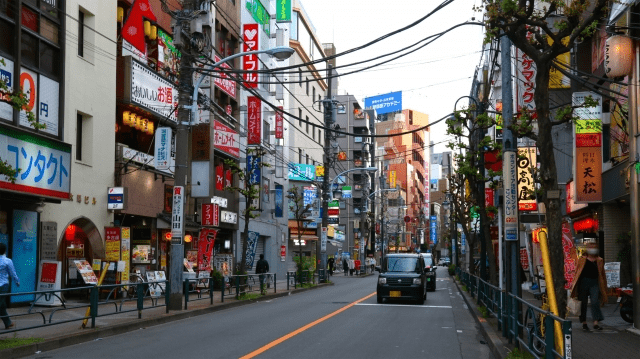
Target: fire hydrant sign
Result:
[177, 216]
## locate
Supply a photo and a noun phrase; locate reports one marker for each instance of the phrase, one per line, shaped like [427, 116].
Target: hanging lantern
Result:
[133, 119]
[125, 118]
[618, 56]
[150, 128]
[167, 236]
[154, 32]
[147, 28]
[139, 122]
[120, 14]
[143, 126]
[187, 238]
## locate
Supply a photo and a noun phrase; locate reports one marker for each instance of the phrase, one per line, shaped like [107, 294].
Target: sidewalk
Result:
[65, 334]
[614, 340]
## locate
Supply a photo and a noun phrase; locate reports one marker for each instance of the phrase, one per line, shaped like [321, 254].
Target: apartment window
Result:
[319, 136]
[300, 77]
[307, 118]
[299, 155]
[266, 132]
[81, 34]
[314, 93]
[307, 80]
[313, 134]
[79, 137]
[307, 162]
[299, 117]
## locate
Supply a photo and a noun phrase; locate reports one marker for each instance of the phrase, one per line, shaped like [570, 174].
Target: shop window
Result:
[29, 49]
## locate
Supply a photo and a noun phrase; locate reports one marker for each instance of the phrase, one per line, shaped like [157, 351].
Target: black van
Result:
[402, 276]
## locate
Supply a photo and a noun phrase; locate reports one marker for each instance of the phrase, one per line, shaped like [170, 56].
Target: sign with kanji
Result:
[206, 241]
[210, 216]
[226, 140]
[526, 78]
[510, 189]
[283, 10]
[588, 174]
[279, 123]
[250, 38]
[526, 185]
[177, 216]
[392, 179]
[524, 259]
[162, 149]
[254, 120]
[112, 243]
[222, 80]
[588, 139]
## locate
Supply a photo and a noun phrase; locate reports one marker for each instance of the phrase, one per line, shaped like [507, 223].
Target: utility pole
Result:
[329, 120]
[182, 151]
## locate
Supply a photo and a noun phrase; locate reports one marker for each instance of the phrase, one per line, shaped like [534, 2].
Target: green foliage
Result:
[517, 354]
[483, 310]
[8, 343]
[217, 279]
[464, 288]
[452, 270]
[248, 296]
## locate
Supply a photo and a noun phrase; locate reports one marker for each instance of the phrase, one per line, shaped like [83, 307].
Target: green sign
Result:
[283, 10]
[334, 203]
[259, 13]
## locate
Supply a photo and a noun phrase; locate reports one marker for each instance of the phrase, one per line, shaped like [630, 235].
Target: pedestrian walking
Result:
[590, 281]
[352, 266]
[261, 268]
[345, 266]
[6, 269]
[372, 263]
[330, 264]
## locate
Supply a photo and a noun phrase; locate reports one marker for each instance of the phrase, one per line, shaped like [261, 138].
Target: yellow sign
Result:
[319, 171]
[331, 231]
[392, 179]
[125, 252]
[526, 163]
[558, 80]
[588, 126]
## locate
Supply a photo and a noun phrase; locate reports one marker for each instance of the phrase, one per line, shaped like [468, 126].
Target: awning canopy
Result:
[618, 8]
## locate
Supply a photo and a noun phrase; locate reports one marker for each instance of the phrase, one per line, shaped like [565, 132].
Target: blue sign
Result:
[309, 196]
[386, 103]
[24, 254]
[463, 243]
[511, 234]
[279, 196]
[253, 168]
[252, 243]
[302, 172]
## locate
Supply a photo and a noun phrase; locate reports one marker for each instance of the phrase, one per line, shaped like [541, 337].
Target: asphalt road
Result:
[340, 321]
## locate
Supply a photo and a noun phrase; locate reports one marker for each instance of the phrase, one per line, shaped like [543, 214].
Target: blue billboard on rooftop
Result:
[390, 102]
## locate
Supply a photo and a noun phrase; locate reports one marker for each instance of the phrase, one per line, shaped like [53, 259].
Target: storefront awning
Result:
[618, 8]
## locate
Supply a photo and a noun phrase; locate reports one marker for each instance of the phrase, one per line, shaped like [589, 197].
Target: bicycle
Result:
[134, 280]
[535, 329]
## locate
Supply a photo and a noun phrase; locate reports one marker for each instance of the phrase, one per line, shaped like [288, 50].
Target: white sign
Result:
[177, 216]
[115, 198]
[612, 271]
[229, 217]
[323, 243]
[129, 50]
[162, 150]
[510, 189]
[147, 89]
[222, 202]
[137, 156]
[49, 279]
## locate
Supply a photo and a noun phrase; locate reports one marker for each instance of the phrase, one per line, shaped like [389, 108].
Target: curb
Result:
[92, 334]
[496, 345]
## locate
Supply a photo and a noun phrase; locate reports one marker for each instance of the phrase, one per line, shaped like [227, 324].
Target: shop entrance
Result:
[81, 240]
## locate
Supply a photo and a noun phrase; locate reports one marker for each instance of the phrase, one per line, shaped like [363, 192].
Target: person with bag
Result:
[345, 266]
[6, 270]
[261, 268]
[590, 281]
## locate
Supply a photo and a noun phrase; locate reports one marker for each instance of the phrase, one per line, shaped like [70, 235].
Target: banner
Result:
[162, 150]
[570, 255]
[220, 177]
[125, 253]
[588, 174]
[206, 242]
[510, 189]
[226, 139]
[112, 243]
[252, 243]
[250, 62]
[279, 199]
[254, 120]
[392, 179]
[279, 123]
[526, 163]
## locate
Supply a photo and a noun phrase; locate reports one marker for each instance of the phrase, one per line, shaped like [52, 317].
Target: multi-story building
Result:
[57, 207]
[406, 157]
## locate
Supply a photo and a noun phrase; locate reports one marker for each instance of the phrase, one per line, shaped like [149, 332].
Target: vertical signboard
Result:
[162, 150]
[510, 193]
[254, 169]
[433, 233]
[283, 10]
[279, 123]
[250, 62]
[525, 74]
[392, 179]
[177, 215]
[526, 163]
[49, 246]
[125, 253]
[24, 254]
[279, 199]
[588, 150]
[252, 243]
[254, 120]
[206, 242]
[112, 244]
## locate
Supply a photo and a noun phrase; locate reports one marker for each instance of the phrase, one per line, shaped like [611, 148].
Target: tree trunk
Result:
[549, 181]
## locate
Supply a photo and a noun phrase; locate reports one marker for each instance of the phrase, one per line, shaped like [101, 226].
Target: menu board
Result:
[612, 271]
[140, 253]
[86, 271]
[192, 258]
[156, 289]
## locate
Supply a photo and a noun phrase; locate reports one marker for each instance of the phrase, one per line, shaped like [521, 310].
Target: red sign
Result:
[226, 140]
[223, 81]
[220, 177]
[588, 174]
[283, 253]
[228, 109]
[333, 212]
[279, 123]
[407, 219]
[488, 197]
[49, 271]
[210, 215]
[250, 35]
[205, 248]
[524, 259]
[254, 120]
[588, 140]
[570, 256]
[133, 29]
[377, 228]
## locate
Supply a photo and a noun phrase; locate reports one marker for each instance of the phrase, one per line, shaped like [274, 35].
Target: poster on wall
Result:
[570, 255]
[24, 254]
[125, 253]
[50, 279]
[140, 253]
[112, 244]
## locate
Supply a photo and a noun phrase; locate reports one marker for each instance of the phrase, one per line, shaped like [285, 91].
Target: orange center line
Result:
[263, 349]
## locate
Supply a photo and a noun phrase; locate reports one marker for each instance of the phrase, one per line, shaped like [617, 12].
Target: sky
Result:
[432, 78]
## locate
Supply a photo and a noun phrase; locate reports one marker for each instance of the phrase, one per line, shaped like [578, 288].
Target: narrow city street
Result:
[343, 320]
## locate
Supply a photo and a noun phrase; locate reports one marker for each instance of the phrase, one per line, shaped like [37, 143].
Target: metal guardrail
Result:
[93, 305]
[533, 328]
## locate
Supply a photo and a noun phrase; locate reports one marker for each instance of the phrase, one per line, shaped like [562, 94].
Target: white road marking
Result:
[400, 305]
[459, 331]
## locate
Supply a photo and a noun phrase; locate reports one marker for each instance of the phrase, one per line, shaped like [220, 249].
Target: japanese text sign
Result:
[250, 62]
[177, 216]
[112, 243]
[223, 82]
[45, 164]
[510, 189]
[279, 201]
[392, 179]
[254, 120]
[526, 76]
[386, 103]
[162, 153]
[279, 123]
[283, 10]
[206, 241]
[301, 172]
[210, 214]
[526, 163]
[226, 140]
[590, 117]
[588, 174]
[259, 14]
[220, 177]
[147, 89]
[254, 169]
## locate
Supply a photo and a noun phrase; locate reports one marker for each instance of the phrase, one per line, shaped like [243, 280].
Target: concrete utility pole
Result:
[182, 153]
[634, 202]
[329, 120]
